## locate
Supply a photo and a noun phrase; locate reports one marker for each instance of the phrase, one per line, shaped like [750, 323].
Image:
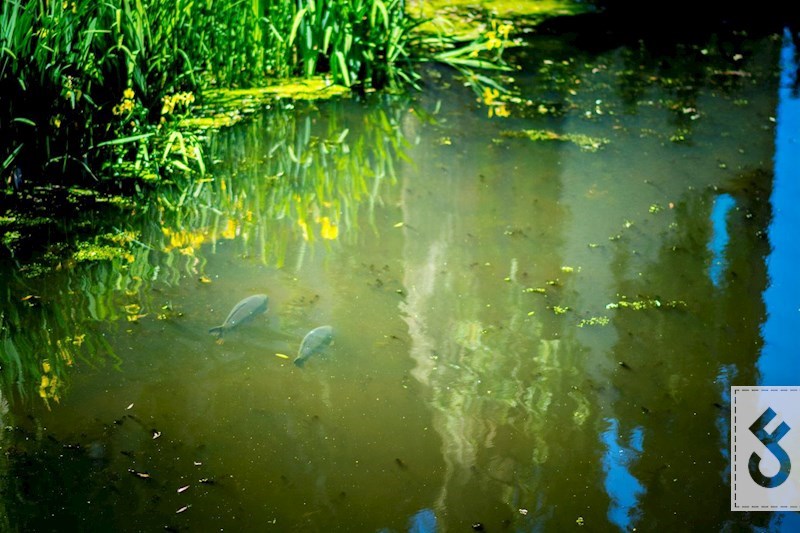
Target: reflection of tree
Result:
[501, 380]
[681, 359]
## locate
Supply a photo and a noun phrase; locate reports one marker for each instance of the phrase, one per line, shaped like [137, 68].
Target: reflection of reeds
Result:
[288, 176]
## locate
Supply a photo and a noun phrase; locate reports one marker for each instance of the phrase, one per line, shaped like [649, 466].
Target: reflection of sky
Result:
[623, 489]
[422, 522]
[719, 240]
[724, 379]
[779, 363]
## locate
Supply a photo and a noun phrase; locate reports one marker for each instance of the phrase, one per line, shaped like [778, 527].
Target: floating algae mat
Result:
[225, 107]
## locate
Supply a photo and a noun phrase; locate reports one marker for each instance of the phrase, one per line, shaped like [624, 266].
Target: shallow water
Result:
[529, 335]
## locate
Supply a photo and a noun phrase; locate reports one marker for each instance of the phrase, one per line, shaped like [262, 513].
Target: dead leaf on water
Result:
[156, 434]
[182, 509]
[129, 407]
[142, 475]
[183, 488]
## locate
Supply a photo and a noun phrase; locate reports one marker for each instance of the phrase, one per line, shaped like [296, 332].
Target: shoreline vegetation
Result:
[89, 85]
[110, 114]
[111, 96]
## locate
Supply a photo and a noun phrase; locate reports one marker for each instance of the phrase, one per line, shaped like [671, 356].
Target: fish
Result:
[314, 342]
[242, 313]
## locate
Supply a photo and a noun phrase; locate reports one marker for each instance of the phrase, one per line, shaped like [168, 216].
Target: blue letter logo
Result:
[770, 440]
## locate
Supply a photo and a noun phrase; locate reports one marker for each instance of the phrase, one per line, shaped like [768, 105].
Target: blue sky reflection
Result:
[779, 363]
[623, 489]
[719, 240]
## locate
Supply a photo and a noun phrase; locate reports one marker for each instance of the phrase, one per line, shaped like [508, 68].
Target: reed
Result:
[86, 82]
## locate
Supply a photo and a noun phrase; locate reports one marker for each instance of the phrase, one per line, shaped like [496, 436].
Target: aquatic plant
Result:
[87, 82]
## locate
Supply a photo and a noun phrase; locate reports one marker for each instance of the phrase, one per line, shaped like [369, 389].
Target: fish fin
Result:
[299, 362]
[217, 331]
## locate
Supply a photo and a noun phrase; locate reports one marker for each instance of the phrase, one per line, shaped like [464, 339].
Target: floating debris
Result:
[584, 142]
[141, 475]
[182, 489]
[639, 305]
[182, 509]
[594, 321]
[539, 290]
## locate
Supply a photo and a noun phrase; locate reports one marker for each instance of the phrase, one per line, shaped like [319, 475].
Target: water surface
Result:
[529, 334]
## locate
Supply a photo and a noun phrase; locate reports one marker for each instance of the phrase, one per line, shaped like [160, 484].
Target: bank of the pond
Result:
[101, 100]
[87, 85]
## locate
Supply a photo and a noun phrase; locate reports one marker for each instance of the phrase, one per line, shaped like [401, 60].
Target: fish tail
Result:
[217, 331]
[299, 362]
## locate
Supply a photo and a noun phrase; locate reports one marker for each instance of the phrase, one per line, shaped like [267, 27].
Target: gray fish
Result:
[242, 313]
[314, 342]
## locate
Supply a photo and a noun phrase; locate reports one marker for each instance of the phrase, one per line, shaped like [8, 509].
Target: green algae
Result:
[465, 19]
[594, 321]
[584, 142]
[225, 107]
[106, 247]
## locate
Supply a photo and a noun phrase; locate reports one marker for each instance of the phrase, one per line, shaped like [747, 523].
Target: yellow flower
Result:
[502, 111]
[329, 231]
[43, 387]
[128, 94]
[302, 224]
[489, 95]
[230, 230]
[46, 366]
[504, 30]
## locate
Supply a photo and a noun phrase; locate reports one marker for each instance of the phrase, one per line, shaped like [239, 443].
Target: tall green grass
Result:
[84, 82]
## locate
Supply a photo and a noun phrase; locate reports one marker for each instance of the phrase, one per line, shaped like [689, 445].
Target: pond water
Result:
[537, 318]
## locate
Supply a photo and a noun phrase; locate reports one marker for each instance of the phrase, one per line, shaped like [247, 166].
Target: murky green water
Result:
[529, 335]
